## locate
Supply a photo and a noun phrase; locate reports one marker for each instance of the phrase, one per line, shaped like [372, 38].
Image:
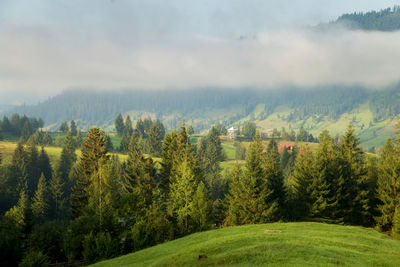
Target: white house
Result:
[232, 133]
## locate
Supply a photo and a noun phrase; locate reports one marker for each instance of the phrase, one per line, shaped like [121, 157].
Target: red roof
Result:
[288, 147]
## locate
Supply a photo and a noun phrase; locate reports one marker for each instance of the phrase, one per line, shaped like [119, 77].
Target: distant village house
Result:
[289, 147]
[232, 133]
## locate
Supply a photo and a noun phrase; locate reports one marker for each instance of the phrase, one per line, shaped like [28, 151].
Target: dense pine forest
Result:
[96, 206]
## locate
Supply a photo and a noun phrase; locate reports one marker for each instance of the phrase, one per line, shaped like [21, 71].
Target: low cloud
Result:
[41, 61]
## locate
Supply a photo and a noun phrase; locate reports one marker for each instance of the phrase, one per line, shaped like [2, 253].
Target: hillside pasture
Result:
[276, 244]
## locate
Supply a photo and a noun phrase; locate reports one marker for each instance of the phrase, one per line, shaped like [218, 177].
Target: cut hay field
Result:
[292, 244]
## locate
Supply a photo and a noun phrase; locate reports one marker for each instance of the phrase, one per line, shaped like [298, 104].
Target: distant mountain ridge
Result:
[384, 20]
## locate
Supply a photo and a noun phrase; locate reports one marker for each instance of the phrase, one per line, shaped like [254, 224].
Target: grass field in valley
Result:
[7, 149]
[294, 244]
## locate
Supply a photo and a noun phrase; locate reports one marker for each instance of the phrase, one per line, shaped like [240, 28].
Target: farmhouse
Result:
[232, 133]
[289, 147]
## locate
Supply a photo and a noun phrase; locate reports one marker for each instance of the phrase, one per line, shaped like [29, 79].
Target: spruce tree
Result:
[324, 187]
[73, 128]
[68, 158]
[303, 176]
[44, 164]
[57, 197]
[109, 144]
[37, 137]
[135, 165]
[183, 146]
[182, 191]
[169, 148]
[64, 127]
[26, 131]
[284, 158]
[94, 150]
[388, 185]
[99, 194]
[78, 140]
[154, 140]
[272, 149]
[128, 126]
[236, 198]
[274, 187]
[210, 154]
[356, 185]
[32, 168]
[372, 181]
[124, 142]
[254, 182]
[119, 125]
[260, 194]
[19, 164]
[201, 208]
[47, 139]
[40, 204]
[21, 213]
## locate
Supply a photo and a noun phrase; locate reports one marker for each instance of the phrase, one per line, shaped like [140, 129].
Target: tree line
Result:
[97, 207]
[150, 134]
[20, 126]
[384, 20]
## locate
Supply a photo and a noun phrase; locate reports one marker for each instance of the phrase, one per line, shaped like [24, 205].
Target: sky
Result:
[47, 46]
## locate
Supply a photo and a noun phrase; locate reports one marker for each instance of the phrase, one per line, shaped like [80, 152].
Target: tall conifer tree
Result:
[73, 129]
[356, 185]
[135, 165]
[169, 148]
[119, 124]
[182, 191]
[303, 176]
[44, 164]
[32, 168]
[236, 197]
[40, 205]
[388, 191]
[19, 164]
[128, 126]
[68, 158]
[94, 150]
[201, 209]
[323, 191]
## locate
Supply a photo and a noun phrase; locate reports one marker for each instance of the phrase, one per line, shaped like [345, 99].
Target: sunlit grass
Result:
[299, 244]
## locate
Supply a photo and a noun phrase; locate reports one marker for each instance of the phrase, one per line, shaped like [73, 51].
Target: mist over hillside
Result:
[319, 78]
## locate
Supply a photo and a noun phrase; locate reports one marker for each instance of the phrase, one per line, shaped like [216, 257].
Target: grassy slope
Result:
[371, 134]
[299, 244]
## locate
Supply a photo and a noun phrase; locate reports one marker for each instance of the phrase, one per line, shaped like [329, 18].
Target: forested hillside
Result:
[101, 108]
[384, 20]
[314, 109]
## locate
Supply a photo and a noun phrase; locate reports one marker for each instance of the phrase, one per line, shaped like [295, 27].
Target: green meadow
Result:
[276, 244]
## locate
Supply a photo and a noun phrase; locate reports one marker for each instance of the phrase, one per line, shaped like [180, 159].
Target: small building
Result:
[232, 133]
[289, 147]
